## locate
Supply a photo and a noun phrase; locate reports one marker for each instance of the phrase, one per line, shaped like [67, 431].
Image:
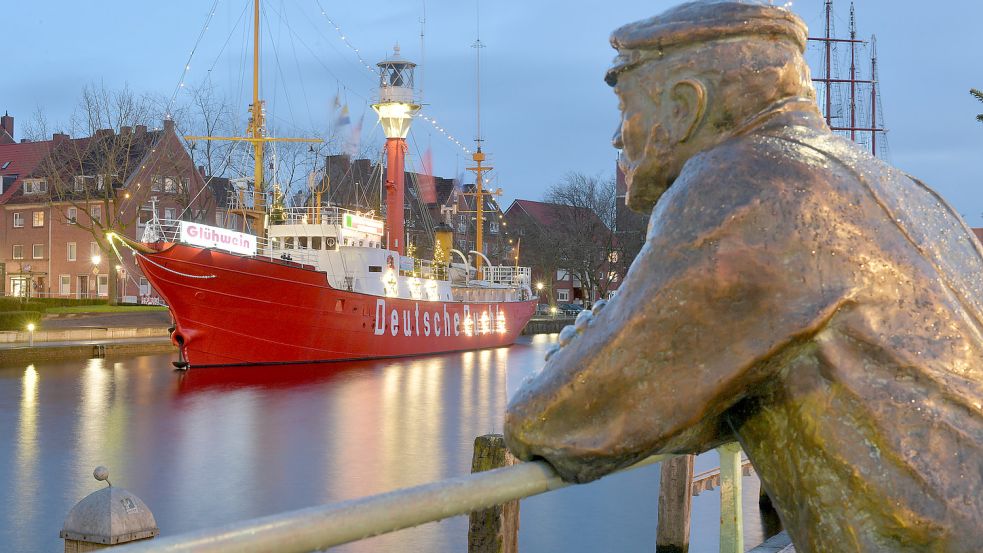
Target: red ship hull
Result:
[235, 310]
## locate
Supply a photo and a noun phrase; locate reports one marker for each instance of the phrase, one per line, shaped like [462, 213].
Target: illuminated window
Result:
[39, 218]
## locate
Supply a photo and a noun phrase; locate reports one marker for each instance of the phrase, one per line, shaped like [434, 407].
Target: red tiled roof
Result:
[545, 214]
[24, 158]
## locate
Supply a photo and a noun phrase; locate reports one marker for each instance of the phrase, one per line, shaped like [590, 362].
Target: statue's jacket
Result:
[812, 302]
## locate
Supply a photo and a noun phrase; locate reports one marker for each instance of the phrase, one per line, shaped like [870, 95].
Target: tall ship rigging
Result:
[323, 283]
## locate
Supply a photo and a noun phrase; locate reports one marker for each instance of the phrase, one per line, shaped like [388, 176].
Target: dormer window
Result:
[82, 182]
[35, 186]
[5, 165]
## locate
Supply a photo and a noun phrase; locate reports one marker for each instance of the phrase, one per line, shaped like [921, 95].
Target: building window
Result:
[102, 285]
[493, 227]
[94, 249]
[613, 257]
[95, 213]
[71, 251]
[144, 217]
[18, 251]
[39, 218]
[65, 285]
[72, 216]
[38, 251]
[170, 184]
[563, 295]
[169, 213]
[144, 286]
[35, 186]
[156, 183]
[18, 219]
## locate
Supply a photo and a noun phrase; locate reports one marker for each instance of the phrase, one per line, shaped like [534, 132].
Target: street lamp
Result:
[539, 286]
[30, 331]
[96, 259]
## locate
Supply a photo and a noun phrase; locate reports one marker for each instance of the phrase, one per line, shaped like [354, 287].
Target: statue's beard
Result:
[649, 179]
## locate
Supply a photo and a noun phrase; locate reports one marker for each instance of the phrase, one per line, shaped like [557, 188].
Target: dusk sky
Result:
[545, 109]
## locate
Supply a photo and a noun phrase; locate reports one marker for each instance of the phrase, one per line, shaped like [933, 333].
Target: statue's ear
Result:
[689, 100]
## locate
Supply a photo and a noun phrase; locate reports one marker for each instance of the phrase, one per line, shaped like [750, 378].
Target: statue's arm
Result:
[725, 284]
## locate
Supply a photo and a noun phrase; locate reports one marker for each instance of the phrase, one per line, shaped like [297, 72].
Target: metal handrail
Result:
[323, 526]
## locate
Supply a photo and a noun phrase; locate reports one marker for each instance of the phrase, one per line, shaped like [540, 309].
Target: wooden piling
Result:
[675, 500]
[494, 530]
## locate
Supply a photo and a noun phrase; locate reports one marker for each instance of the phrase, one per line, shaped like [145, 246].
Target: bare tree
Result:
[100, 182]
[584, 228]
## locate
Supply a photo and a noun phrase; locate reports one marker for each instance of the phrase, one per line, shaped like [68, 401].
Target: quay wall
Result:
[547, 325]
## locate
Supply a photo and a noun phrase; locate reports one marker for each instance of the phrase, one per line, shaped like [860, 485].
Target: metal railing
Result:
[326, 215]
[507, 274]
[320, 527]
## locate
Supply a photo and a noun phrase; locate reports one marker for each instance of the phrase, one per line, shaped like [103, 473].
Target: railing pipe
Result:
[317, 528]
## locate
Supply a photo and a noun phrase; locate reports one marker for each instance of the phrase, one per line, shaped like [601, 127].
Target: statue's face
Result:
[644, 137]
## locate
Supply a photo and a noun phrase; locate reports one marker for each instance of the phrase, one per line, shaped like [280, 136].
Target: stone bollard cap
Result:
[109, 516]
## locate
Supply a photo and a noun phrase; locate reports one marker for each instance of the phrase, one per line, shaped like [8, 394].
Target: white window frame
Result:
[95, 213]
[71, 217]
[170, 213]
[17, 251]
[144, 286]
[37, 216]
[563, 296]
[35, 186]
[102, 285]
[72, 249]
[18, 219]
[65, 285]
[34, 251]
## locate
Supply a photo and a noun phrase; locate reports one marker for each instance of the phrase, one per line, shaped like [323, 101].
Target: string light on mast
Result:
[187, 64]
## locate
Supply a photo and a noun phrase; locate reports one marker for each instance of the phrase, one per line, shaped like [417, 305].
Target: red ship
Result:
[235, 309]
[322, 283]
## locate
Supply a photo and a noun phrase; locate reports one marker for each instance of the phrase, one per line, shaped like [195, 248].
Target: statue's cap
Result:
[703, 21]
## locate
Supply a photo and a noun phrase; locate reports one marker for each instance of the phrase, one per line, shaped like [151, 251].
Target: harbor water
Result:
[212, 446]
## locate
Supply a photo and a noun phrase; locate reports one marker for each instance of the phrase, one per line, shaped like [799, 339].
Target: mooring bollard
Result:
[107, 517]
[494, 530]
[675, 502]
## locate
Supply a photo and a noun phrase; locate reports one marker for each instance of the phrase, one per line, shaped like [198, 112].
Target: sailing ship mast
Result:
[256, 135]
[479, 170]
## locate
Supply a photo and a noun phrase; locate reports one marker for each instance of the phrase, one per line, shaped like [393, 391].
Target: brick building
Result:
[58, 198]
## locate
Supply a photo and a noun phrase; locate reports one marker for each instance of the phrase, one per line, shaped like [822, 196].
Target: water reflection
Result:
[212, 446]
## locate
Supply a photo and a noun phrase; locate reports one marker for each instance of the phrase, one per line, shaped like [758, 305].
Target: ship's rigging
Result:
[849, 99]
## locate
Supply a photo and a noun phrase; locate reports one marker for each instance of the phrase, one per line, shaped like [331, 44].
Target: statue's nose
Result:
[616, 139]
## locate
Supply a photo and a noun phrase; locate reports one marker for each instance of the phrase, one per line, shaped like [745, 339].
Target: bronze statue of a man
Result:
[794, 293]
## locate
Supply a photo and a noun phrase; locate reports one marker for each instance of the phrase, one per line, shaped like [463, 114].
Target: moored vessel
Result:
[323, 283]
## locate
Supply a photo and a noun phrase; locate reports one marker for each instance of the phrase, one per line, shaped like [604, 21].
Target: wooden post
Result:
[494, 530]
[675, 499]
[731, 516]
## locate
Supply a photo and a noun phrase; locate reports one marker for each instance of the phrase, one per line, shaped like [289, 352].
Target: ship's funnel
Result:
[443, 241]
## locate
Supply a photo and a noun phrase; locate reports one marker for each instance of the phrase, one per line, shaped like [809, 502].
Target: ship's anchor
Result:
[181, 364]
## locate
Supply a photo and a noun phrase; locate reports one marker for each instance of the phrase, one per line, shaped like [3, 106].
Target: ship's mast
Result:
[256, 134]
[478, 157]
[829, 80]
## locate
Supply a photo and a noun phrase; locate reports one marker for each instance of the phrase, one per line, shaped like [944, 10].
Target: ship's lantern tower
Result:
[396, 108]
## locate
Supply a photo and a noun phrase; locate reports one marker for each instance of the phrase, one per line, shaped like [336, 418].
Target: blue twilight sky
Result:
[545, 109]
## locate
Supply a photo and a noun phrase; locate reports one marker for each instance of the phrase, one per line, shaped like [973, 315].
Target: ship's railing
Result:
[317, 528]
[506, 274]
[327, 215]
[169, 230]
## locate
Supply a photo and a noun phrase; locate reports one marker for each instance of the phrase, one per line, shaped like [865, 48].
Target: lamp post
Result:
[96, 260]
[396, 108]
[30, 333]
